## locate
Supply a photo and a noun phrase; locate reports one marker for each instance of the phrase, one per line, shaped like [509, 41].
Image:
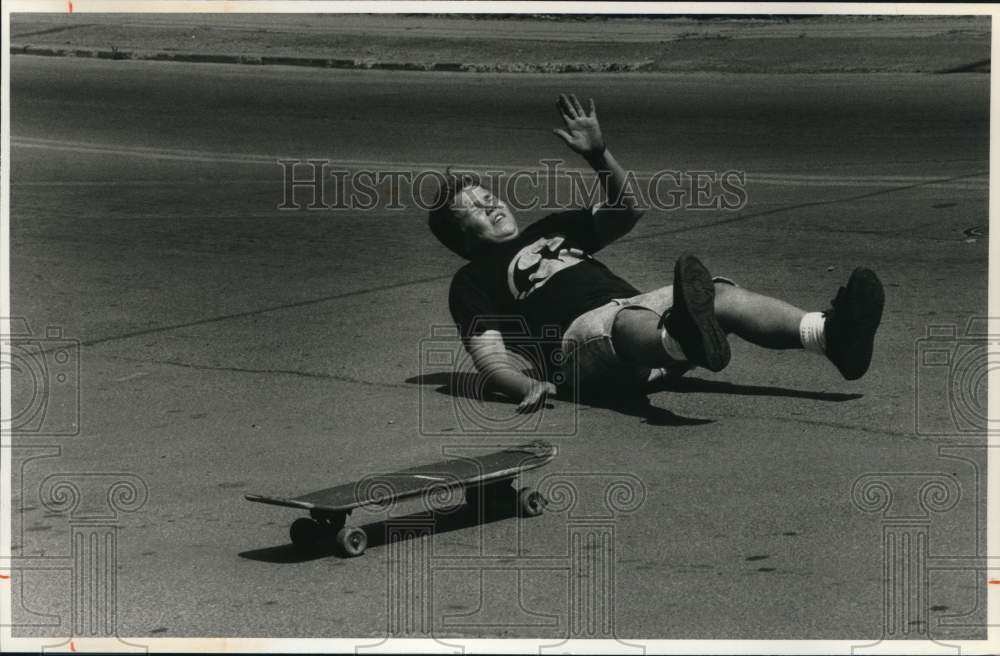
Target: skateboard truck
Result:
[307, 532]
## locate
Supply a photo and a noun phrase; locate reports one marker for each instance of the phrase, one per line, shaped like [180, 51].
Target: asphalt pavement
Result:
[229, 346]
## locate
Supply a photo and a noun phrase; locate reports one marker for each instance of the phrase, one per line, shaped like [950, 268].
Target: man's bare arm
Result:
[493, 359]
[583, 135]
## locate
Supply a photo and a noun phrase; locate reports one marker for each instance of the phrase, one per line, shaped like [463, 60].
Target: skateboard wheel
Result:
[305, 532]
[530, 502]
[352, 540]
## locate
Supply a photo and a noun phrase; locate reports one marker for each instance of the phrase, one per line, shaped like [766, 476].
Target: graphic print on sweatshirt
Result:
[535, 264]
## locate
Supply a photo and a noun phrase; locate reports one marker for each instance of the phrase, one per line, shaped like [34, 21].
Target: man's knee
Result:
[634, 333]
[633, 320]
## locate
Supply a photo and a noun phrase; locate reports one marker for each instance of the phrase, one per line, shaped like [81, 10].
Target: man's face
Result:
[483, 216]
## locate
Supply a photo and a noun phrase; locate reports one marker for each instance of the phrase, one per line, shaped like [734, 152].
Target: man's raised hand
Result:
[583, 132]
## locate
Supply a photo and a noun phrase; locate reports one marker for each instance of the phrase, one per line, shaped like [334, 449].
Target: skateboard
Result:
[488, 478]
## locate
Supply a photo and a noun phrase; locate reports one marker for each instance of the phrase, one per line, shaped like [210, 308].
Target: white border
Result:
[5, 399]
[478, 7]
[263, 645]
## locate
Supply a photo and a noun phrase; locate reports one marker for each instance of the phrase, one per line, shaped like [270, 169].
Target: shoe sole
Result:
[695, 291]
[867, 300]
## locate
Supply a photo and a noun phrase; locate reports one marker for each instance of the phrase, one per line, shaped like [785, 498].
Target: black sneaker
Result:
[691, 320]
[851, 323]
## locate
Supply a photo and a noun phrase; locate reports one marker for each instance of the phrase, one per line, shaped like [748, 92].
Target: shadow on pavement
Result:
[467, 385]
[457, 384]
[685, 385]
[641, 407]
[442, 521]
[981, 66]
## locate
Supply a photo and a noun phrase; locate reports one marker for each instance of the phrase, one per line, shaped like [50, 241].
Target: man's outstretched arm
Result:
[583, 135]
[492, 359]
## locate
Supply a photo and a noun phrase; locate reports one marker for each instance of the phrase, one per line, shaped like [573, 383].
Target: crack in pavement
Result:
[51, 30]
[250, 313]
[786, 208]
[249, 370]
[871, 430]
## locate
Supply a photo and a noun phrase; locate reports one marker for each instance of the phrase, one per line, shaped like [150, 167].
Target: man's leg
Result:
[845, 333]
[689, 331]
[759, 319]
[636, 337]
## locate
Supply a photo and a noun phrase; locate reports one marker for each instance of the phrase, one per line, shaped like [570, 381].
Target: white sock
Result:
[812, 333]
[672, 346]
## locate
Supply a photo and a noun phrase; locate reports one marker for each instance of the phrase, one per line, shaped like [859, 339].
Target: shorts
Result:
[589, 354]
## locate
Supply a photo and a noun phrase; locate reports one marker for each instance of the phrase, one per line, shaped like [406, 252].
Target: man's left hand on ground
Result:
[536, 396]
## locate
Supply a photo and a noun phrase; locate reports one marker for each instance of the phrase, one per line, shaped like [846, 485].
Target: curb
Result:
[328, 62]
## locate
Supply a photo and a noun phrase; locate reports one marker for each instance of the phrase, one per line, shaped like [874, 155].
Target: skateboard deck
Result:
[329, 507]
